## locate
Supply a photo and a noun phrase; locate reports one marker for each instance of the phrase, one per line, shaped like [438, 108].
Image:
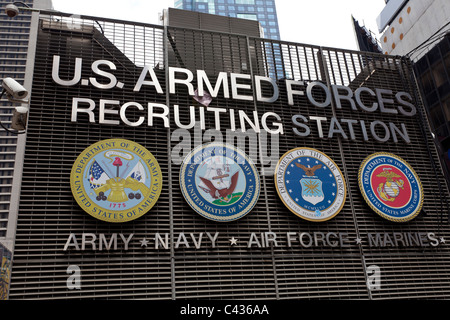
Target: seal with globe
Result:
[391, 187]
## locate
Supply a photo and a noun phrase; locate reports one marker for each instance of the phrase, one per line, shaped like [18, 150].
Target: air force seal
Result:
[116, 180]
[390, 187]
[310, 184]
[219, 182]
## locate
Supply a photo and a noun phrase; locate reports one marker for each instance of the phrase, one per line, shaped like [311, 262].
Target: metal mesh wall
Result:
[49, 213]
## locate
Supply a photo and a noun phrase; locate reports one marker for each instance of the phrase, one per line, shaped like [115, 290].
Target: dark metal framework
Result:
[48, 212]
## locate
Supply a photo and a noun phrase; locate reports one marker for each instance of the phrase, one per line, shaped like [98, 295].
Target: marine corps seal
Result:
[310, 184]
[116, 180]
[391, 187]
[220, 182]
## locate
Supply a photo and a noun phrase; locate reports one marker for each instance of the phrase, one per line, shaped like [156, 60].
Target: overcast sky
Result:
[320, 22]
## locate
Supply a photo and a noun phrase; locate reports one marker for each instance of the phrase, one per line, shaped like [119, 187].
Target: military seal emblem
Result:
[310, 184]
[391, 187]
[220, 182]
[116, 180]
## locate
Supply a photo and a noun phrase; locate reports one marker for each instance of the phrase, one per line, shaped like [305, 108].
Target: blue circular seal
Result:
[219, 182]
[391, 187]
[310, 184]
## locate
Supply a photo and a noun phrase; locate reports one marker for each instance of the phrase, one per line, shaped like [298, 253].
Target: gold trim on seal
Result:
[150, 191]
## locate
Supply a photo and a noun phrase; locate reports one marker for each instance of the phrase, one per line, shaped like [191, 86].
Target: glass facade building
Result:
[14, 35]
[433, 75]
[14, 52]
[263, 11]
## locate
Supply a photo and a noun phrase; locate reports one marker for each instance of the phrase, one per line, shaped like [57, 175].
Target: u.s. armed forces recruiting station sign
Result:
[219, 182]
[236, 87]
[391, 187]
[116, 180]
[310, 184]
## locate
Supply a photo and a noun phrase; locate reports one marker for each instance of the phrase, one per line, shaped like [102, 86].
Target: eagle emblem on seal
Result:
[390, 189]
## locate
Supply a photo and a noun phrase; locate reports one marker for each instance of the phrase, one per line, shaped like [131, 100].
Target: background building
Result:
[263, 11]
[181, 19]
[405, 25]
[365, 39]
[335, 259]
[14, 34]
[14, 51]
[419, 30]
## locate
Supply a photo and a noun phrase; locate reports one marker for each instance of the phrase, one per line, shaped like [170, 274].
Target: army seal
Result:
[116, 180]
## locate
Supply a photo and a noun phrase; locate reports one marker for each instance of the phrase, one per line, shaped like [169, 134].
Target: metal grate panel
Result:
[48, 212]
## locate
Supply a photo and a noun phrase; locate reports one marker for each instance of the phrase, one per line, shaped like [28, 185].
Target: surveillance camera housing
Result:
[14, 89]
[11, 10]
[19, 121]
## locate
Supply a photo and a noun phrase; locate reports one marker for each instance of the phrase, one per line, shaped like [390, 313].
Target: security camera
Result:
[11, 10]
[19, 121]
[14, 90]
[16, 93]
